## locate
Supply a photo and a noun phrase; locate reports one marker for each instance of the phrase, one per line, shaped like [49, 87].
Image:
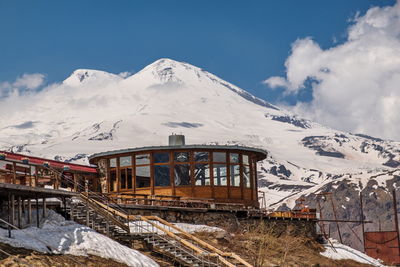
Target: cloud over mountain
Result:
[355, 84]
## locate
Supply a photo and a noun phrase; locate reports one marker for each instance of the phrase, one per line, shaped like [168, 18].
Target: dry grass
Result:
[260, 246]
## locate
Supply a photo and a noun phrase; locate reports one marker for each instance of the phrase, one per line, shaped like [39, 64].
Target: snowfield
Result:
[94, 111]
[344, 252]
[67, 237]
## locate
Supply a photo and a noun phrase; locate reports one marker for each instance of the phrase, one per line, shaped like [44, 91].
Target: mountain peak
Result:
[83, 76]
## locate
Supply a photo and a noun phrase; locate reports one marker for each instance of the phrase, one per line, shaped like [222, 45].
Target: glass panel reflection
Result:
[125, 161]
[246, 176]
[161, 175]
[219, 172]
[142, 159]
[113, 180]
[202, 174]
[246, 159]
[129, 177]
[123, 179]
[142, 176]
[161, 157]
[200, 156]
[113, 163]
[219, 156]
[182, 174]
[234, 157]
[181, 156]
[235, 175]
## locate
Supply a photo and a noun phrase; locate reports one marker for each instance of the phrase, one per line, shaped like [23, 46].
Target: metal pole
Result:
[337, 224]
[362, 220]
[9, 215]
[396, 219]
[37, 212]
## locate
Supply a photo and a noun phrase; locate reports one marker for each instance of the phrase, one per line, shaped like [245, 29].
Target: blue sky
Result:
[243, 42]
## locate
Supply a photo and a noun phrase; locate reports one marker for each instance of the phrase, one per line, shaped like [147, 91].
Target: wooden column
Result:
[228, 174]
[172, 173]
[211, 159]
[14, 170]
[152, 173]
[251, 179]
[118, 174]
[36, 176]
[241, 168]
[133, 175]
[75, 185]
[192, 167]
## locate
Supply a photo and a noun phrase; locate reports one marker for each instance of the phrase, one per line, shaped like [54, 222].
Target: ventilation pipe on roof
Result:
[176, 140]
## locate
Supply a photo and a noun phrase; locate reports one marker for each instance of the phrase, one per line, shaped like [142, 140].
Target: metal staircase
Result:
[96, 211]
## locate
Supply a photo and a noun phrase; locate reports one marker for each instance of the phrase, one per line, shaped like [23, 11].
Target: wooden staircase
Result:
[96, 211]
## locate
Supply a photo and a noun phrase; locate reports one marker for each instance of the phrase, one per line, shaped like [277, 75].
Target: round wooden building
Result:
[216, 173]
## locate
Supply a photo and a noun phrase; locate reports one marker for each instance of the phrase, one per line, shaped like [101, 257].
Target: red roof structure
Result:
[52, 163]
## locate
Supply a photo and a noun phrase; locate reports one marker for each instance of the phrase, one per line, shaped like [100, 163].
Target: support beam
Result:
[19, 212]
[44, 207]
[37, 213]
[29, 203]
[9, 215]
[13, 222]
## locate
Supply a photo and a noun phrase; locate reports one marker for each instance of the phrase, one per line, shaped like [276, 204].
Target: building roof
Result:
[52, 163]
[261, 154]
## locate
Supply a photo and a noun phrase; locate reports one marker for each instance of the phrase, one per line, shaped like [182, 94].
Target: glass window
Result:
[219, 171]
[234, 157]
[113, 163]
[219, 156]
[129, 177]
[161, 157]
[142, 176]
[142, 159]
[200, 156]
[113, 180]
[123, 179]
[161, 175]
[125, 161]
[235, 175]
[246, 159]
[202, 174]
[246, 176]
[181, 156]
[182, 174]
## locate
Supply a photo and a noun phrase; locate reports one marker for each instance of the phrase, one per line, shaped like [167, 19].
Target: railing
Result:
[154, 200]
[106, 207]
[196, 240]
[195, 252]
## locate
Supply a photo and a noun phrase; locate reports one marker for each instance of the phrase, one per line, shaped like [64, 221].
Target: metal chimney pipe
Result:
[176, 140]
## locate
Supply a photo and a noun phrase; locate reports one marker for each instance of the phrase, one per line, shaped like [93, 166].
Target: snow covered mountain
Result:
[93, 111]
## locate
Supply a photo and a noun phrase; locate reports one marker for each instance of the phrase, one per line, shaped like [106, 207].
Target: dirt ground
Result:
[24, 257]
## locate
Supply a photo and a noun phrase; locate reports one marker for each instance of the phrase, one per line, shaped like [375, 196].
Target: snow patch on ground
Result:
[141, 226]
[344, 252]
[66, 237]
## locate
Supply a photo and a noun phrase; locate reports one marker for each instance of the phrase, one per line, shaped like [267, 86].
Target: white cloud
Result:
[29, 81]
[24, 84]
[357, 83]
